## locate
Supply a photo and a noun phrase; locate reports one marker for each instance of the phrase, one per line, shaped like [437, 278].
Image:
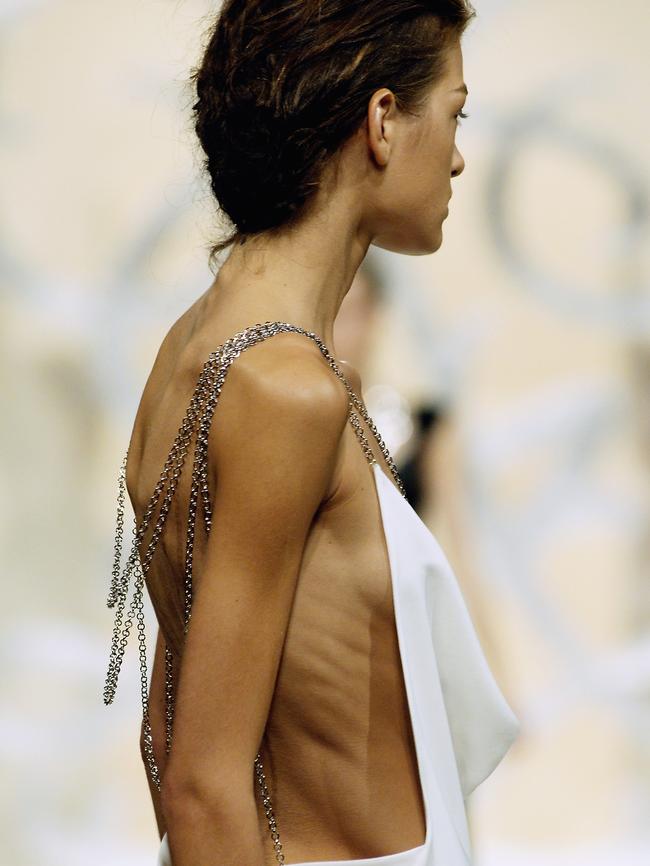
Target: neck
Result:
[299, 276]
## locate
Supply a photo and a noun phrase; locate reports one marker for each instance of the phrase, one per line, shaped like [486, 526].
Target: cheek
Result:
[425, 169]
[441, 146]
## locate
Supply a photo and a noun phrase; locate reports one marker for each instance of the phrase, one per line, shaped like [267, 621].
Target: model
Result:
[318, 693]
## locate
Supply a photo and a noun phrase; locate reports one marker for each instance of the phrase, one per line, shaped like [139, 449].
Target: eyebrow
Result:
[461, 89]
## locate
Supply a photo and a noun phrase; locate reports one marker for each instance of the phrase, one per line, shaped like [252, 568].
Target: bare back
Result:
[338, 749]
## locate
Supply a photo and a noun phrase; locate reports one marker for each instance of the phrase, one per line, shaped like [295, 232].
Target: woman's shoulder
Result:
[283, 392]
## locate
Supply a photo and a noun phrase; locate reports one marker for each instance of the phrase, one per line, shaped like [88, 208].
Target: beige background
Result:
[531, 324]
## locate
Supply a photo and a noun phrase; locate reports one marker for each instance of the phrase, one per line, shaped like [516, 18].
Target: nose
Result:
[457, 163]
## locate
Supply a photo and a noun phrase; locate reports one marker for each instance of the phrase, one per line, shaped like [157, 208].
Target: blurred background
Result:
[508, 373]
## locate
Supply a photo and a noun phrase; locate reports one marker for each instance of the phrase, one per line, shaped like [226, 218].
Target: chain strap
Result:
[354, 418]
[198, 418]
[119, 586]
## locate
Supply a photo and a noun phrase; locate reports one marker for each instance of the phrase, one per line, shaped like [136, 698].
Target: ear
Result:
[382, 113]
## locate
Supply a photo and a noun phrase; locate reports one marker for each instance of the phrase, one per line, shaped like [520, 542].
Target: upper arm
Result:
[272, 447]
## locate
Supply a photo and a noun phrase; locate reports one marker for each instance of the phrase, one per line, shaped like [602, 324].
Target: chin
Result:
[422, 245]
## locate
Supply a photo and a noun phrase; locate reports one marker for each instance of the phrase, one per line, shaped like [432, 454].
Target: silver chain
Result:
[199, 415]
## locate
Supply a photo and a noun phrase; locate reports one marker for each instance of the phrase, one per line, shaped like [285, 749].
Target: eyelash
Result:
[461, 114]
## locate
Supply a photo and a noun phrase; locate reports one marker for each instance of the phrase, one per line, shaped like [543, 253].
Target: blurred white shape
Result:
[623, 853]
[392, 415]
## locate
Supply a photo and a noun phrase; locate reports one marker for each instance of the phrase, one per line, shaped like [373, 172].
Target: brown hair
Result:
[282, 84]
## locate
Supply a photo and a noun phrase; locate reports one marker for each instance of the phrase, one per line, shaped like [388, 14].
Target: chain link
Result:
[198, 418]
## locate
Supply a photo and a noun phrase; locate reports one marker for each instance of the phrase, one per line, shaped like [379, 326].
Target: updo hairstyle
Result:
[282, 84]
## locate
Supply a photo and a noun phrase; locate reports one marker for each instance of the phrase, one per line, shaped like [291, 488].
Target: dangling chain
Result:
[201, 409]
